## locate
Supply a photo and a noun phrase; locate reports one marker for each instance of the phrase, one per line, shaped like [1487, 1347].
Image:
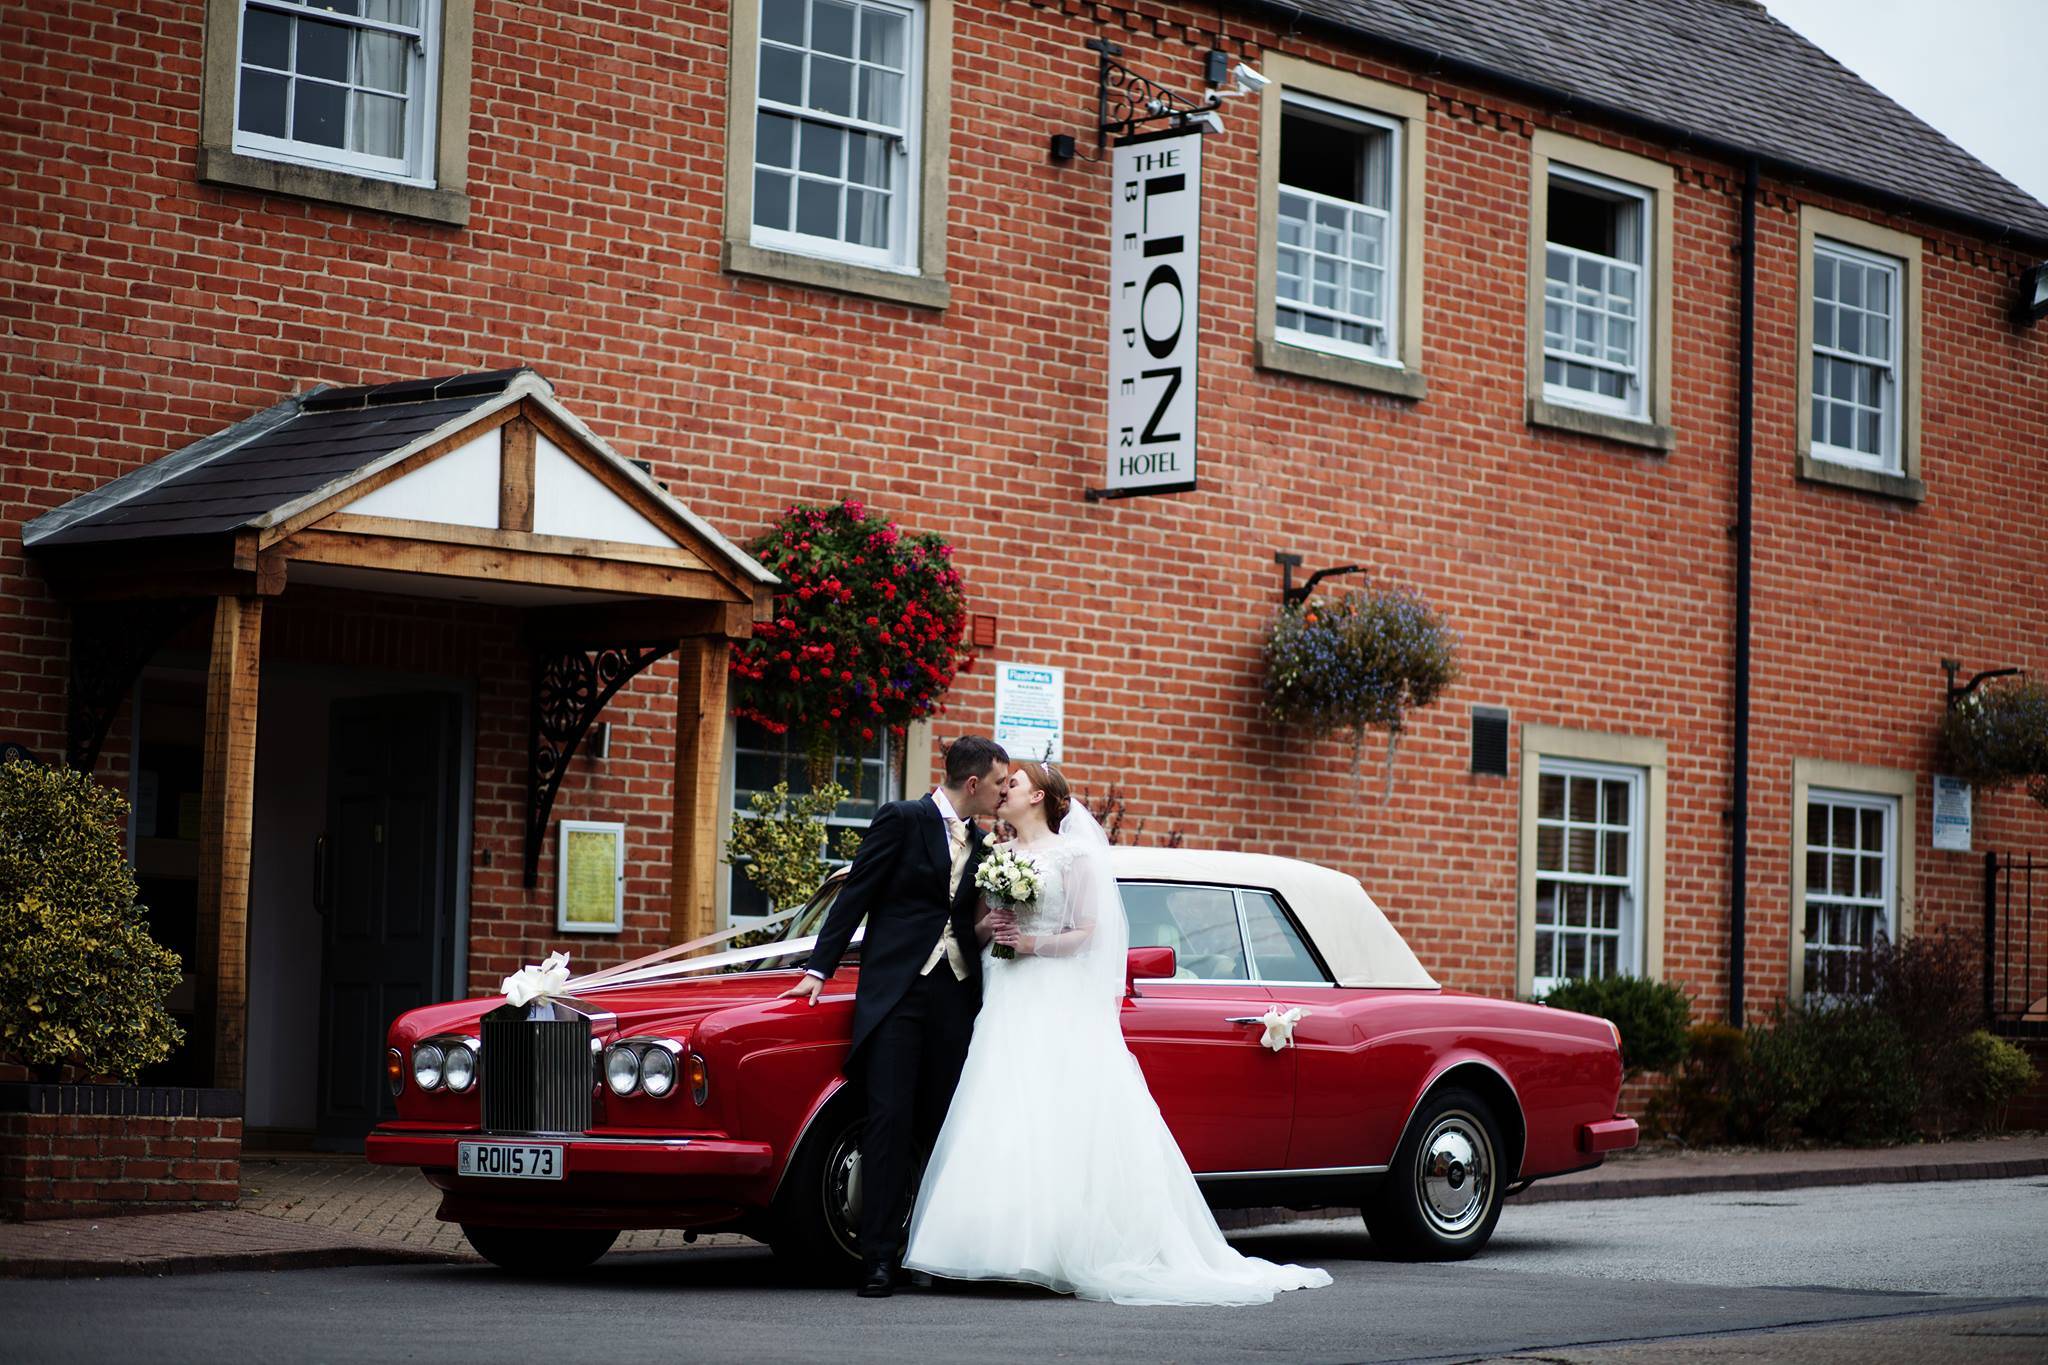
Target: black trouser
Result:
[913, 1062]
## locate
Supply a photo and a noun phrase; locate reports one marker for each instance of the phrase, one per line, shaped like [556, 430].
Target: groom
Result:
[920, 979]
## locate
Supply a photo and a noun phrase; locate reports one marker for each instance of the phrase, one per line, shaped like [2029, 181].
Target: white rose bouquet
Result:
[1009, 880]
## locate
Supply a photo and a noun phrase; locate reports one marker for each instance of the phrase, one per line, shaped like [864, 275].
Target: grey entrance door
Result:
[388, 890]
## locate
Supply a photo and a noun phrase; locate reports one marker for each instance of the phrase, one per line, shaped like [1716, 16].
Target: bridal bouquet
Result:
[1010, 881]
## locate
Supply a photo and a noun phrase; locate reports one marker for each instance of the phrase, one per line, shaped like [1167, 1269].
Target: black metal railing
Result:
[535, 1074]
[2015, 965]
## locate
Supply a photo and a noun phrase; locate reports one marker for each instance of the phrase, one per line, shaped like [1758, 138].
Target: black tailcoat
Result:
[898, 885]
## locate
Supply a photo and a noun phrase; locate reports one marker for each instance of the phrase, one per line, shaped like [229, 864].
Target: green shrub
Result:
[782, 849]
[1653, 1016]
[1840, 1072]
[1695, 1106]
[1992, 1074]
[1930, 985]
[81, 981]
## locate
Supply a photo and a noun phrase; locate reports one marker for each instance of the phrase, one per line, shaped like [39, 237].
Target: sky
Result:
[1977, 70]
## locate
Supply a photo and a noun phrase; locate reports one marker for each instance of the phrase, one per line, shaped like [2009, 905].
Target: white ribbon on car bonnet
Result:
[1279, 1027]
[535, 984]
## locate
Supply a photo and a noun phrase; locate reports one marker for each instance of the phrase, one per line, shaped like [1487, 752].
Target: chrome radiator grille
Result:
[536, 1075]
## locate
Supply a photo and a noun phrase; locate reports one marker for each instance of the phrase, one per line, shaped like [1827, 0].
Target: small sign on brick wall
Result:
[1951, 814]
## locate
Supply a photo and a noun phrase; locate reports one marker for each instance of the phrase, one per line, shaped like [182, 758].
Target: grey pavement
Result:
[1706, 1277]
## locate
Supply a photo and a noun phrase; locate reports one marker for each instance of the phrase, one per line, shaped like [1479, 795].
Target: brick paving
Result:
[312, 1211]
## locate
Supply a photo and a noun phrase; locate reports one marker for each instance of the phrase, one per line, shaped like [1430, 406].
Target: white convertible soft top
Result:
[1351, 932]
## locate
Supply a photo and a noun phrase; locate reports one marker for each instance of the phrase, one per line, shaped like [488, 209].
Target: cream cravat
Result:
[947, 947]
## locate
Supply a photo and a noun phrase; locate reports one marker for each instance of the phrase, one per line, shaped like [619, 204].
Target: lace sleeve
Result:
[1076, 925]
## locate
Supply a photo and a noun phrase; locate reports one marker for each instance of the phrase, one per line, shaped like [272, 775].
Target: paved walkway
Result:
[320, 1211]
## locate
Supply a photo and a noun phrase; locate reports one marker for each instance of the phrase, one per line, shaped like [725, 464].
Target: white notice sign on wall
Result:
[1031, 710]
[1951, 814]
[1155, 253]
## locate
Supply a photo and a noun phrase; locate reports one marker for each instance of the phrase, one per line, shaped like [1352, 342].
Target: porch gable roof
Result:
[301, 461]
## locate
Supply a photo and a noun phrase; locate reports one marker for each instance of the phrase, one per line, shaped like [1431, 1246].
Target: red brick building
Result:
[1470, 315]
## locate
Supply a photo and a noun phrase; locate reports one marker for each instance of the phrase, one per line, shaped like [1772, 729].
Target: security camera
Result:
[1251, 80]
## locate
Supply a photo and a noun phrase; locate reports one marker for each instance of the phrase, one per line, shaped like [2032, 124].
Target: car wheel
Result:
[816, 1226]
[540, 1251]
[1441, 1197]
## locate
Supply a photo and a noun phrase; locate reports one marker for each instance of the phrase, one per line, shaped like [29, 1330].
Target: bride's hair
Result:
[1057, 794]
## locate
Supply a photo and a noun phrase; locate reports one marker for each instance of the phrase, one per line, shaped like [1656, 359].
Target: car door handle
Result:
[1244, 1019]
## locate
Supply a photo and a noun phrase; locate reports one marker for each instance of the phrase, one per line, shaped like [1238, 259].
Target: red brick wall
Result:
[1592, 584]
[86, 1165]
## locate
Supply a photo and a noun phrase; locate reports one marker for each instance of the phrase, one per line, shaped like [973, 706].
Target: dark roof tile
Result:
[1723, 70]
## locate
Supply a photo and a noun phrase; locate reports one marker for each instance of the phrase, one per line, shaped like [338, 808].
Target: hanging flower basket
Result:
[1998, 735]
[1363, 660]
[866, 635]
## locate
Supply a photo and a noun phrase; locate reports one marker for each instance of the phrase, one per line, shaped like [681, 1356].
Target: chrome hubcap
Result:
[842, 1189]
[1455, 1177]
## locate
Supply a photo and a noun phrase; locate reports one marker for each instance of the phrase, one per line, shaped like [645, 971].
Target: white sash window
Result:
[1336, 268]
[343, 84]
[1851, 900]
[836, 122]
[1855, 356]
[1589, 872]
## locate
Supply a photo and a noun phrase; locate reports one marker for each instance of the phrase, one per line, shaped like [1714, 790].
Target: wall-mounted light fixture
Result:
[1125, 101]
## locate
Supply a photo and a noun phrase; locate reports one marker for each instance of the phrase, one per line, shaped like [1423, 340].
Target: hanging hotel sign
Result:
[1154, 323]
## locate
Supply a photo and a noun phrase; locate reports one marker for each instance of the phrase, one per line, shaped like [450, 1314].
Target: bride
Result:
[1054, 1166]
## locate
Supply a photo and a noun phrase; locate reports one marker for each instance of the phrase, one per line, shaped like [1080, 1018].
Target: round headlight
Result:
[657, 1071]
[426, 1066]
[458, 1068]
[621, 1070]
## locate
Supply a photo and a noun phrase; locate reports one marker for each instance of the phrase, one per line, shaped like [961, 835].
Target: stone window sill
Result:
[743, 258]
[1629, 431]
[1337, 369]
[1904, 487]
[222, 166]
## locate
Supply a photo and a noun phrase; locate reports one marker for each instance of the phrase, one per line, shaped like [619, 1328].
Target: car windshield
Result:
[797, 931]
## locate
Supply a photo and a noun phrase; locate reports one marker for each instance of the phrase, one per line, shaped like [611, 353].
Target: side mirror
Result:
[1146, 964]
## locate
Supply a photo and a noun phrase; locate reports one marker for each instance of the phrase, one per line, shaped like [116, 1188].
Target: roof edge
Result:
[1437, 59]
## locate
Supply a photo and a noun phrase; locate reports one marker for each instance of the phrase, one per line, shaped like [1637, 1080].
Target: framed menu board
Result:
[590, 894]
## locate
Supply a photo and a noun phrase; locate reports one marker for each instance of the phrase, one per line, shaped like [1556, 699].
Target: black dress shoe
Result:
[878, 1283]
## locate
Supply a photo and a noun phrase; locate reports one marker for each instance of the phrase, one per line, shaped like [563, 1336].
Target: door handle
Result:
[1245, 1019]
[320, 873]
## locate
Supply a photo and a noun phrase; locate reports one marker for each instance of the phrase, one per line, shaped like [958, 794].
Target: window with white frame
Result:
[1596, 292]
[1851, 901]
[1336, 272]
[835, 129]
[344, 84]
[1855, 356]
[1589, 872]
[761, 759]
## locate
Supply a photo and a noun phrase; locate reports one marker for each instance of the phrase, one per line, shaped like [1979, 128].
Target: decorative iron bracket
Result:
[1126, 101]
[570, 689]
[1292, 596]
[1956, 694]
[110, 644]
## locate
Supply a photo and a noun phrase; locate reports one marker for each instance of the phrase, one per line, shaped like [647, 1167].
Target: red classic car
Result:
[683, 1093]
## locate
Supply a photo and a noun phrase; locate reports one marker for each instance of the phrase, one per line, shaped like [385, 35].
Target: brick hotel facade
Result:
[780, 250]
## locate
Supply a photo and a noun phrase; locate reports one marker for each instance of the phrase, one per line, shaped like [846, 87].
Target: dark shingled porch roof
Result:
[235, 477]
[1723, 71]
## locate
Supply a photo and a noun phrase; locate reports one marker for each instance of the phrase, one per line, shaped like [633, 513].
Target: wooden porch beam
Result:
[529, 567]
[227, 807]
[699, 788]
[603, 623]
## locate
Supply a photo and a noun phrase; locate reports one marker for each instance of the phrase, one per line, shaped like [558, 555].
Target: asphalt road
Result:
[1934, 1272]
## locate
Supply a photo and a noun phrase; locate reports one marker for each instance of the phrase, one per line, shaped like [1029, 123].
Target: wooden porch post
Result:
[226, 814]
[699, 787]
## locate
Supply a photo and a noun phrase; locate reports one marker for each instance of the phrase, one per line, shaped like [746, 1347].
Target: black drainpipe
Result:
[1745, 496]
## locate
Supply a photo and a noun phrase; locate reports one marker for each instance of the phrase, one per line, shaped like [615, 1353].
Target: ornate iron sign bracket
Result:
[110, 644]
[1126, 101]
[570, 689]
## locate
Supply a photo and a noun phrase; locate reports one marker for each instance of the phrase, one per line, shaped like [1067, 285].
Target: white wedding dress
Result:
[1054, 1166]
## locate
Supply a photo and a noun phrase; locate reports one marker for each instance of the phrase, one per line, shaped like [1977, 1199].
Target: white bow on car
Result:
[1279, 1027]
[536, 983]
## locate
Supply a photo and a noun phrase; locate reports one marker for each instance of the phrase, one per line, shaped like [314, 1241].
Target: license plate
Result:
[509, 1160]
